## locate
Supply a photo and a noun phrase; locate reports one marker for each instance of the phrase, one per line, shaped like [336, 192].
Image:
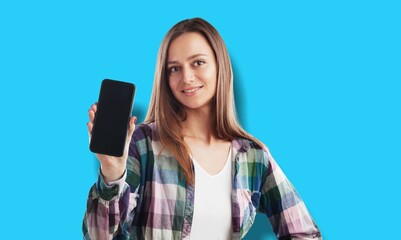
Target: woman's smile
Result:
[191, 91]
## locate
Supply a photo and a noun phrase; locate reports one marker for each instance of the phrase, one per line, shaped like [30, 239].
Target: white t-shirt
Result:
[212, 217]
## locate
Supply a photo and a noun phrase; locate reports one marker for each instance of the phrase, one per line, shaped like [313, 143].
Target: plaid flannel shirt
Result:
[153, 201]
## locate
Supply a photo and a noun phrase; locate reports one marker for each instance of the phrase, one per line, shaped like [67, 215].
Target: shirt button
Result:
[236, 205]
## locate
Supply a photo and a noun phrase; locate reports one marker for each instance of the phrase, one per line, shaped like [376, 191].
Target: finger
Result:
[90, 127]
[91, 114]
[94, 107]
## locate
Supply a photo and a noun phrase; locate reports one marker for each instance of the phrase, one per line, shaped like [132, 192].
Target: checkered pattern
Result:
[153, 201]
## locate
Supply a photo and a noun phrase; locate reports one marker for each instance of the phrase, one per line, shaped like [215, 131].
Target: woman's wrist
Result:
[112, 173]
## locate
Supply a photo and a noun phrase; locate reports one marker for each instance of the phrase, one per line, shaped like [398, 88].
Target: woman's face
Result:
[192, 71]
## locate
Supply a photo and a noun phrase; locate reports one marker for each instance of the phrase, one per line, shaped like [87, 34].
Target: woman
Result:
[190, 171]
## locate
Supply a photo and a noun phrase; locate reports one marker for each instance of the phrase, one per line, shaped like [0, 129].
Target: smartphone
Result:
[111, 122]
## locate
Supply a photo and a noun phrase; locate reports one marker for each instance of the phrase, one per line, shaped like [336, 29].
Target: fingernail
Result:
[134, 120]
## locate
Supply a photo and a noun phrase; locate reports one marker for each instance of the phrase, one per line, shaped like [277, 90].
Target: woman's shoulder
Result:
[144, 130]
[142, 139]
[245, 144]
[251, 150]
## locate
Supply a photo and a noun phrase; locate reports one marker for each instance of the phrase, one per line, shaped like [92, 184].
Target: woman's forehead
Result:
[187, 45]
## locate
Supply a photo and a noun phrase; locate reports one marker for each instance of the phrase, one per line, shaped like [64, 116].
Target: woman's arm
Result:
[109, 206]
[114, 196]
[285, 209]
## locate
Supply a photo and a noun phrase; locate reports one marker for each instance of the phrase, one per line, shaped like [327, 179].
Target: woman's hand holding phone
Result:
[112, 167]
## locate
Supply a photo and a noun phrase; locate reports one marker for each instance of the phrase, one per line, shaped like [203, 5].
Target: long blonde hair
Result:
[167, 112]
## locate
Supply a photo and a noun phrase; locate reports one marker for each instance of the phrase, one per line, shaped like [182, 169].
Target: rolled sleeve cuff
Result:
[110, 190]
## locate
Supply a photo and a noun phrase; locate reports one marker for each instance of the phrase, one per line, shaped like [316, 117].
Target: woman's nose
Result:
[188, 75]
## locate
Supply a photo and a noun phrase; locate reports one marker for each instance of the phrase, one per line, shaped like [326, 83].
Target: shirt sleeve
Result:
[110, 205]
[283, 206]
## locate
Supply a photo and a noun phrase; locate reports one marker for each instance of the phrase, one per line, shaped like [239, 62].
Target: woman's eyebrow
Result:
[189, 58]
[197, 55]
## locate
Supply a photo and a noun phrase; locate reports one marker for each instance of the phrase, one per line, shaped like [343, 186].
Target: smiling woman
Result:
[190, 171]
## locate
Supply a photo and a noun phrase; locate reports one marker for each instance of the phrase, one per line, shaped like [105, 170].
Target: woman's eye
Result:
[199, 63]
[173, 69]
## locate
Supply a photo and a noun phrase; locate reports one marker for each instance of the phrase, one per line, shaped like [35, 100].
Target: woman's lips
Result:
[190, 91]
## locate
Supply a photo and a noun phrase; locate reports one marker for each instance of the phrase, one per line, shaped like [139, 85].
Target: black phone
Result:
[111, 122]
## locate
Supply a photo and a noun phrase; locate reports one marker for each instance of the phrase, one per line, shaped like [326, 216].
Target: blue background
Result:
[317, 81]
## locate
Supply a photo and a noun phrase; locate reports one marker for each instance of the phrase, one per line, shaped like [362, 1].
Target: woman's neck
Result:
[198, 125]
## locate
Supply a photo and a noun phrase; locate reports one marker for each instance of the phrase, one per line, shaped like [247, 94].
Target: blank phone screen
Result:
[112, 117]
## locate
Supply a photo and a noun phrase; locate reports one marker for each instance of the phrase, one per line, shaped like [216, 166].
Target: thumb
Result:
[131, 128]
